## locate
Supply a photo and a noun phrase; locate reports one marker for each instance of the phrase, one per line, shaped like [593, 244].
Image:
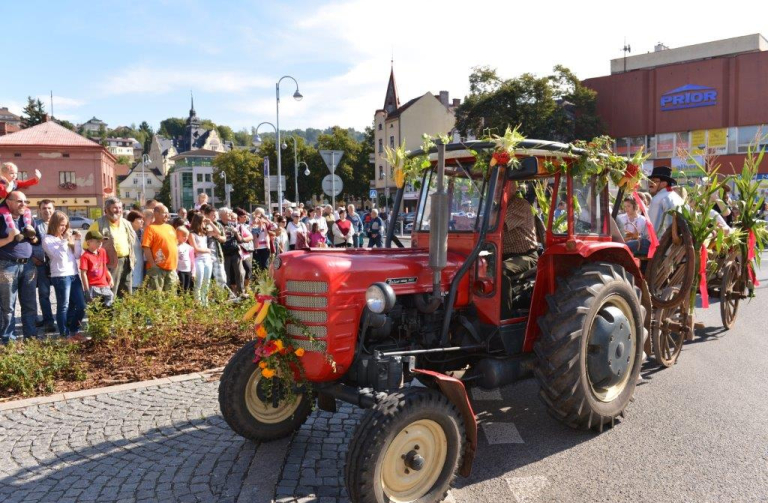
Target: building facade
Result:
[9, 117]
[123, 146]
[140, 185]
[706, 99]
[77, 173]
[93, 126]
[396, 123]
[192, 174]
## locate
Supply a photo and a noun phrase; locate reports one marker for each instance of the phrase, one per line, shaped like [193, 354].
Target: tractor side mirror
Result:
[528, 168]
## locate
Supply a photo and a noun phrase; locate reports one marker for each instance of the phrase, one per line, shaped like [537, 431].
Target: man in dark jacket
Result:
[376, 234]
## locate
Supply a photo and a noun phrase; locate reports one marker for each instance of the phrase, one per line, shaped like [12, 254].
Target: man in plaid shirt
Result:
[519, 244]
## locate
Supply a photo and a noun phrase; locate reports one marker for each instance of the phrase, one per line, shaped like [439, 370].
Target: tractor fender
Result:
[455, 391]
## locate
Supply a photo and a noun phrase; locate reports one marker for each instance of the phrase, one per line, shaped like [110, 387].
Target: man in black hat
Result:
[661, 186]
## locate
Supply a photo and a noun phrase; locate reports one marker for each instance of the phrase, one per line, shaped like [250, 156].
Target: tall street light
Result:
[226, 191]
[257, 142]
[295, 167]
[297, 96]
[145, 159]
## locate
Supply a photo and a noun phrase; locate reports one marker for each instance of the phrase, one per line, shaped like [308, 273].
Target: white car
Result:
[80, 222]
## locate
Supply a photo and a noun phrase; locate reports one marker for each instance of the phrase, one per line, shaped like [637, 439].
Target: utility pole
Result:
[627, 49]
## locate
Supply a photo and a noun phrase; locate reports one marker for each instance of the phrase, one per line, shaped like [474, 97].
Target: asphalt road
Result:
[696, 432]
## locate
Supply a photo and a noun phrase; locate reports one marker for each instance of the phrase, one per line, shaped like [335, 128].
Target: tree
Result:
[149, 133]
[225, 133]
[102, 135]
[354, 167]
[124, 160]
[164, 195]
[555, 107]
[243, 170]
[66, 124]
[172, 127]
[243, 137]
[33, 114]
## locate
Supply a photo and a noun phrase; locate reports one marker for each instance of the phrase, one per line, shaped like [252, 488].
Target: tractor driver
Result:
[519, 245]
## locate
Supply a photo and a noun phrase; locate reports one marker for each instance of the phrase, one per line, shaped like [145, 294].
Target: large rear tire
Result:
[406, 448]
[591, 347]
[247, 407]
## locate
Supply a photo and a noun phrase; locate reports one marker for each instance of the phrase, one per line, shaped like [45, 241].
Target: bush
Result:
[30, 368]
[161, 322]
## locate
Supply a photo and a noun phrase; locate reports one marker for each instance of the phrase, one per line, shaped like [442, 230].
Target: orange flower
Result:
[299, 352]
[261, 332]
[262, 364]
[268, 373]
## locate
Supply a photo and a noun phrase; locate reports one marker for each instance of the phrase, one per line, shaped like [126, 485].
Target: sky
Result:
[126, 62]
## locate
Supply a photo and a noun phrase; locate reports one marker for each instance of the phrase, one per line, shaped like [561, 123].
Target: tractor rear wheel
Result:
[254, 410]
[591, 347]
[406, 448]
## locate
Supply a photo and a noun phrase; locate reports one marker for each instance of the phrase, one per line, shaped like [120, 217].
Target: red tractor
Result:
[444, 313]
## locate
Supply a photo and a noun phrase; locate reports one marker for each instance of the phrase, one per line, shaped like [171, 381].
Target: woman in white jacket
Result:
[343, 231]
[63, 247]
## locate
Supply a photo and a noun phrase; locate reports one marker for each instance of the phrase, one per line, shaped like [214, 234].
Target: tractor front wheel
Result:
[591, 346]
[255, 409]
[406, 448]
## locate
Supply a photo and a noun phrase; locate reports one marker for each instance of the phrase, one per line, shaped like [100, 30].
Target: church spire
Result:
[391, 101]
[192, 104]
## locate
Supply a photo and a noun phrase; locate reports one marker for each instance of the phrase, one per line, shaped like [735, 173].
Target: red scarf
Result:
[344, 226]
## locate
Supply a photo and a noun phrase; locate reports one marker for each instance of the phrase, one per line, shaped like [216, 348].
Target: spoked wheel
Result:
[731, 293]
[406, 448]
[257, 408]
[668, 332]
[591, 346]
[672, 266]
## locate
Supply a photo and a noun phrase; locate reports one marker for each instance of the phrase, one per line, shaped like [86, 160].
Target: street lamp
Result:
[226, 190]
[145, 161]
[297, 96]
[306, 170]
[295, 167]
[256, 142]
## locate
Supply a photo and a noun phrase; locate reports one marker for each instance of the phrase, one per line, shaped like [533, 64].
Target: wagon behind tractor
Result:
[374, 322]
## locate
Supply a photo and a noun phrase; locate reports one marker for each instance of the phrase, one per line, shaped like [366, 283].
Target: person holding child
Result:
[63, 247]
[9, 182]
[94, 271]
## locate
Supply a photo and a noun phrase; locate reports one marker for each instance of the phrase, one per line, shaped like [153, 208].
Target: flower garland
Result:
[274, 352]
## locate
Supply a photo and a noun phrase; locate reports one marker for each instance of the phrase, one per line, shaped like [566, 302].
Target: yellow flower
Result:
[262, 364]
[299, 352]
[279, 345]
[261, 332]
[268, 373]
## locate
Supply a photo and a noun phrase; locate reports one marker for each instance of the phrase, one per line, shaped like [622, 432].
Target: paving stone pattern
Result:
[166, 443]
[314, 465]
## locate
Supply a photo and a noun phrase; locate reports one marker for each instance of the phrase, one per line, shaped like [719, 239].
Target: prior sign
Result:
[332, 185]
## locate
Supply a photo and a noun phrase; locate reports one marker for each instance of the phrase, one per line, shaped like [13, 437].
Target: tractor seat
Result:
[523, 276]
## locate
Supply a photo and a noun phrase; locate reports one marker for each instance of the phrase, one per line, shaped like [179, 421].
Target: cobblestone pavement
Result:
[163, 443]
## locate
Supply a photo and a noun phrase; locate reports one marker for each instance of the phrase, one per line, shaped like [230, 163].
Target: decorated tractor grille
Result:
[307, 295]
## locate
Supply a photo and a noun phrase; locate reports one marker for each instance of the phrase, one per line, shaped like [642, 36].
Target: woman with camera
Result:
[63, 247]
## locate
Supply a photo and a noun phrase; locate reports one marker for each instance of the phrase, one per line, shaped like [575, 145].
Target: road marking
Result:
[527, 489]
[502, 433]
[481, 394]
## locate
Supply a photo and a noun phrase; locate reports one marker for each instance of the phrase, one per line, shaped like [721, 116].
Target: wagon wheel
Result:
[731, 291]
[672, 266]
[668, 332]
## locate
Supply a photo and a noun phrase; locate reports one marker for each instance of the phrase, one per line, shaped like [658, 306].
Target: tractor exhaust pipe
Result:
[438, 229]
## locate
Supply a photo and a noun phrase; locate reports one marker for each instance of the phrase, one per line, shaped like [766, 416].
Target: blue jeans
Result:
[17, 280]
[44, 294]
[70, 301]
[639, 246]
[203, 272]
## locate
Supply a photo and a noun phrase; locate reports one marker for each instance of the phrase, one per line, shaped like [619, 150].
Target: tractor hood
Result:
[350, 271]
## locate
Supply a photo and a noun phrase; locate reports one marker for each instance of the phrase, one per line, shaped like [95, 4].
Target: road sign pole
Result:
[333, 180]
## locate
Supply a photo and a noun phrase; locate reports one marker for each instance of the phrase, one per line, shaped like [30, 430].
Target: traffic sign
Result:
[372, 194]
[332, 158]
[332, 185]
[273, 183]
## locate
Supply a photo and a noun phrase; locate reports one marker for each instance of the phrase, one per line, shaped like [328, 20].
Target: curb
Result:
[209, 375]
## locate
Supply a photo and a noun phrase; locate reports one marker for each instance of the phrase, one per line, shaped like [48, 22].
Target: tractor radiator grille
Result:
[309, 316]
[302, 301]
[319, 346]
[306, 286]
[318, 332]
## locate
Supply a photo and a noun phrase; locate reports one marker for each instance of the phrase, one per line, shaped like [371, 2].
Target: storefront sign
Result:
[688, 167]
[688, 96]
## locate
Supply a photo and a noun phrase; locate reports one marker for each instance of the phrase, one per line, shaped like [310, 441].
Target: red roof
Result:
[47, 134]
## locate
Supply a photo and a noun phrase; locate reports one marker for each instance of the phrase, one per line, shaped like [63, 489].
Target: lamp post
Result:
[226, 190]
[145, 162]
[257, 142]
[295, 169]
[297, 96]
[306, 168]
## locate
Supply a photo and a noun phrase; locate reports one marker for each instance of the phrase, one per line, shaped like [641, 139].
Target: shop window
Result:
[665, 145]
[752, 135]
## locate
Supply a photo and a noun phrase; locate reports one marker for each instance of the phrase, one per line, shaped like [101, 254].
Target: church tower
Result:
[391, 100]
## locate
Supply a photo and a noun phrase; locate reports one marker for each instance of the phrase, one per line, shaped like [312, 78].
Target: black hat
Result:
[663, 173]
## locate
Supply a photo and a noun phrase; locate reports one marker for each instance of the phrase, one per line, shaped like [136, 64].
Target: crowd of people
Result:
[124, 250]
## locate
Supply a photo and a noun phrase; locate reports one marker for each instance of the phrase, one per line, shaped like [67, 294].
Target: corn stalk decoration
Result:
[747, 207]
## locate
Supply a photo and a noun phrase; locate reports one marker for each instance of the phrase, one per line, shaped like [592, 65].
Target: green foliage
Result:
[136, 320]
[172, 127]
[244, 172]
[226, 133]
[65, 123]
[33, 114]
[164, 194]
[124, 159]
[554, 107]
[31, 367]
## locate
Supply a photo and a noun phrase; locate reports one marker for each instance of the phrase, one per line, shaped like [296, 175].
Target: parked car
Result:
[80, 222]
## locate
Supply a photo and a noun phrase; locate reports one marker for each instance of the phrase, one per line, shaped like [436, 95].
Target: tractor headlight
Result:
[380, 298]
[276, 262]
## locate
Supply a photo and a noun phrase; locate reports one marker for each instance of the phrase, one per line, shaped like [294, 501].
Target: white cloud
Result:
[149, 80]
